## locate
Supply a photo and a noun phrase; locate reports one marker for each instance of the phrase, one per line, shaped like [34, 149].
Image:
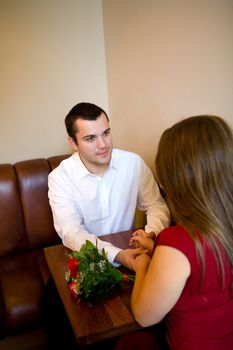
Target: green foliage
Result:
[91, 277]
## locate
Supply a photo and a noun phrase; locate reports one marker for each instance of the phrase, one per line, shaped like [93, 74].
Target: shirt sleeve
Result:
[151, 202]
[68, 221]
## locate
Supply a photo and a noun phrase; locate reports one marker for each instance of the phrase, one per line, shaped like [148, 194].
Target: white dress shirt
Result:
[85, 205]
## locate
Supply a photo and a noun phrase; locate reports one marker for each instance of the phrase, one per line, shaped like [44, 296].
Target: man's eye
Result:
[90, 138]
[107, 132]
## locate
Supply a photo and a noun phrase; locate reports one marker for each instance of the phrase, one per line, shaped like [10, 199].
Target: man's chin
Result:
[104, 159]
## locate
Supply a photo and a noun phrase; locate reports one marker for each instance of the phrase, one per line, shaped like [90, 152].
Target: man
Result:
[96, 190]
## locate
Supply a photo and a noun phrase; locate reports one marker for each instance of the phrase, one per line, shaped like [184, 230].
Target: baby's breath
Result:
[91, 277]
[92, 266]
[102, 265]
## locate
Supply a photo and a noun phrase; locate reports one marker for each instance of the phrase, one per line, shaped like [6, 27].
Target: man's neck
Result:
[97, 169]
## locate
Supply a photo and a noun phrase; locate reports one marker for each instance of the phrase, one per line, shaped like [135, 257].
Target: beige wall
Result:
[166, 60]
[52, 56]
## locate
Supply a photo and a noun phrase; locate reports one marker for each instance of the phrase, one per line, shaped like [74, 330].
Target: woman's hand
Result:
[141, 262]
[142, 239]
[126, 257]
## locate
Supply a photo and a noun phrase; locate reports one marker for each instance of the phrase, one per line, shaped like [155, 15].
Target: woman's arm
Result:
[158, 284]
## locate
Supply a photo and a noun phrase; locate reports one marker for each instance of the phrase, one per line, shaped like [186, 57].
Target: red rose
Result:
[74, 288]
[73, 267]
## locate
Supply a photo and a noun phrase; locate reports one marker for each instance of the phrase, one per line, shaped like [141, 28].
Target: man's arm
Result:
[68, 222]
[151, 202]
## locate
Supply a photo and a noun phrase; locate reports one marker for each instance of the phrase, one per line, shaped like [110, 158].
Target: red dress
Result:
[202, 319]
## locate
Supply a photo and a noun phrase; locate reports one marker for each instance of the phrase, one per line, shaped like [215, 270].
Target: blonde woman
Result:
[188, 281]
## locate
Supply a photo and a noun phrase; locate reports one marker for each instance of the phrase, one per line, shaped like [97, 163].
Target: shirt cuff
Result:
[112, 252]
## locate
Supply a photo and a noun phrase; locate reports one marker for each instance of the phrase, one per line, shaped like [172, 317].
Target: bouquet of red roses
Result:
[91, 276]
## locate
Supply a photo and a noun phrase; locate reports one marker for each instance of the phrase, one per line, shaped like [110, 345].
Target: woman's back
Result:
[189, 278]
[202, 318]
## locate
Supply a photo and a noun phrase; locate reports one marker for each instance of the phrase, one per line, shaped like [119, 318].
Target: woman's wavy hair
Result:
[194, 167]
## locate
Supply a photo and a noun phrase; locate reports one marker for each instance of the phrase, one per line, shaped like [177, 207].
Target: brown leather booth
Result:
[26, 227]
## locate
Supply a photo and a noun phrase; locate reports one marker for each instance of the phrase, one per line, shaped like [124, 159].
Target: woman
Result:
[189, 278]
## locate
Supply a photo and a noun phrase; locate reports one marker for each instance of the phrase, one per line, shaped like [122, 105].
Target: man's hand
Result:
[142, 239]
[126, 256]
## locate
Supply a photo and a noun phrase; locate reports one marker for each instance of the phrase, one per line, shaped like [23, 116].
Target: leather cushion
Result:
[23, 278]
[33, 185]
[12, 229]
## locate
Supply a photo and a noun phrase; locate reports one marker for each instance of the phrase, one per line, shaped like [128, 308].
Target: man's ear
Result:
[72, 143]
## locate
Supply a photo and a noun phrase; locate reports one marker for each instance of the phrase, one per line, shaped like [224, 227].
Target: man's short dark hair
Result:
[83, 110]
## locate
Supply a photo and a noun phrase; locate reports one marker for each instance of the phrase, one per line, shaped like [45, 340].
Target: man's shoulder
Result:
[67, 163]
[127, 160]
[122, 154]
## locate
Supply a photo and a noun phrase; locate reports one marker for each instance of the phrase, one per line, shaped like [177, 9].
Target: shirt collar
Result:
[113, 163]
[83, 171]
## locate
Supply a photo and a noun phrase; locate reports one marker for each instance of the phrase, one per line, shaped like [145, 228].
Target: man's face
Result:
[94, 143]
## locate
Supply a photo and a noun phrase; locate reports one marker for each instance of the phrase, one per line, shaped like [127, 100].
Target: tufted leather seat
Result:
[26, 227]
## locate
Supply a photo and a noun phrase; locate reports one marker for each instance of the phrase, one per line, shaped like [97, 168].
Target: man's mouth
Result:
[102, 153]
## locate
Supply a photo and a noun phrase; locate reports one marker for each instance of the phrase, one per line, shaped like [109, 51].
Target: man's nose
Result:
[100, 142]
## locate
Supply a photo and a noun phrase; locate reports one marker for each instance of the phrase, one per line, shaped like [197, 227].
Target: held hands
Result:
[142, 239]
[126, 257]
[141, 262]
[142, 244]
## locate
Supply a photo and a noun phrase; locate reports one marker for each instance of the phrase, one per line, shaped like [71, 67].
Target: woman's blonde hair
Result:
[194, 167]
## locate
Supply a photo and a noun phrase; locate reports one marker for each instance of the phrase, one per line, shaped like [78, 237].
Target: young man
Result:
[96, 190]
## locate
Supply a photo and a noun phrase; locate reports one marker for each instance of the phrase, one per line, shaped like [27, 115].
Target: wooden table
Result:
[109, 318]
